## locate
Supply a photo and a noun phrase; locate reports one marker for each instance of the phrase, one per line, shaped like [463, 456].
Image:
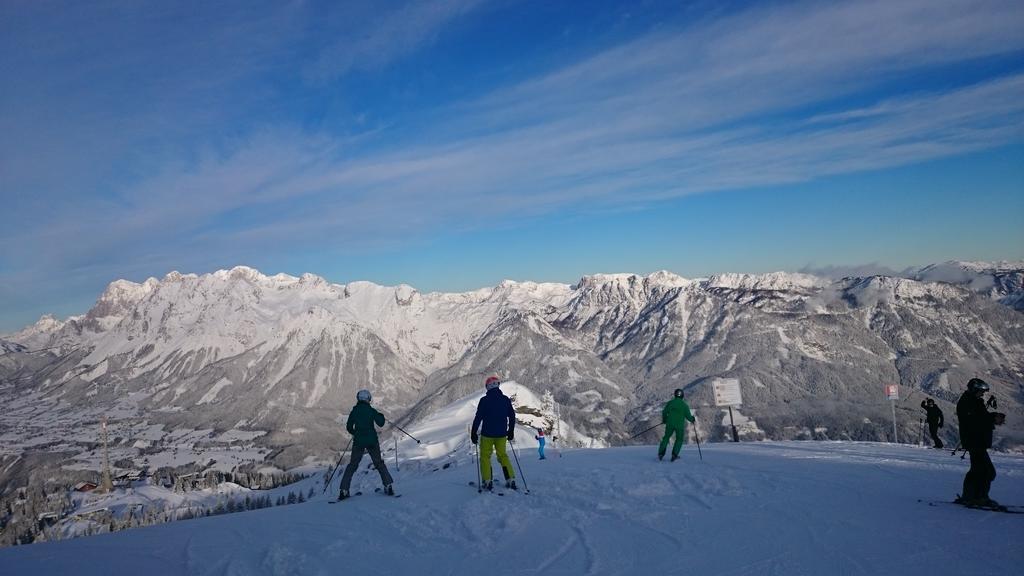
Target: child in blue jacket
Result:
[540, 440]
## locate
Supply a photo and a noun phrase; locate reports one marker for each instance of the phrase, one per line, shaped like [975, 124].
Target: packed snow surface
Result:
[786, 508]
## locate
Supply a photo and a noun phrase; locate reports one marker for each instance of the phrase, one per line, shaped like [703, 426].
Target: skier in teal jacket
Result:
[364, 440]
[674, 417]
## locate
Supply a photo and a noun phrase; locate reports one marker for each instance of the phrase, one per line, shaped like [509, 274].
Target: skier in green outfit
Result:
[674, 417]
[364, 439]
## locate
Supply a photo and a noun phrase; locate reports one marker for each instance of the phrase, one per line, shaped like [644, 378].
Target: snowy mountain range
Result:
[237, 366]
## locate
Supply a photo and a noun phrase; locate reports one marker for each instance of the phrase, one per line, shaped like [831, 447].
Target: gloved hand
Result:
[473, 437]
[511, 435]
[998, 418]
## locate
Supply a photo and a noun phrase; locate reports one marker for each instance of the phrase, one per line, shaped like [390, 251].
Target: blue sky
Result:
[452, 144]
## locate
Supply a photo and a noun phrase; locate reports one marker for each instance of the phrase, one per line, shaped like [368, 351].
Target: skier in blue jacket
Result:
[498, 417]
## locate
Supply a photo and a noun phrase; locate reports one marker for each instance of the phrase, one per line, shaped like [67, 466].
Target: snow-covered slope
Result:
[754, 508]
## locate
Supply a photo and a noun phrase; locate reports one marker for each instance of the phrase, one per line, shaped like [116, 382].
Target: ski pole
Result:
[647, 430]
[479, 479]
[521, 475]
[920, 438]
[406, 433]
[697, 436]
[338, 465]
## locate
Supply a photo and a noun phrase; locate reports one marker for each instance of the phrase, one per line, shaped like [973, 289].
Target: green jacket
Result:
[676, 413]
[360, 424]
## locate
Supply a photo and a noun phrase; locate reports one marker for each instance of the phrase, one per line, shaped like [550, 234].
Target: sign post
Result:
[727, 393]
[892, 392]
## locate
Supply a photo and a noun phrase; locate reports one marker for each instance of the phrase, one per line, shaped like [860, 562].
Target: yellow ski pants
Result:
[487, 444]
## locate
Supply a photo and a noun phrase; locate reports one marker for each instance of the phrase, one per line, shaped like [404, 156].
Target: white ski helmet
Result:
[363, 395]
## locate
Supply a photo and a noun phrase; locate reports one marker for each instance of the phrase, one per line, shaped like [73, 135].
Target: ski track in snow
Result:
[785, 508]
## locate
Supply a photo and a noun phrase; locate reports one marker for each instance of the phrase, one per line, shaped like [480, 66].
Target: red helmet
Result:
[492, 382]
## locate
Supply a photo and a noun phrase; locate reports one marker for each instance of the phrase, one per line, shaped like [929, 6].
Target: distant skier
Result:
[976, 426]
[361, 426]
[674, 417]
[498, 417]
[540, 442]
[935, 420]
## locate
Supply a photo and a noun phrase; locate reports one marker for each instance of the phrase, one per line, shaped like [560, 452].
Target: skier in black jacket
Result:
[935, 420]
[976, 425]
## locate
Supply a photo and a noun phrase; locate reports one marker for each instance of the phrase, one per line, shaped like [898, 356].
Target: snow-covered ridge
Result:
[777, 281]
[905, 288]
[995, 279]
[978, 266]
[624, 281]
[231, 310]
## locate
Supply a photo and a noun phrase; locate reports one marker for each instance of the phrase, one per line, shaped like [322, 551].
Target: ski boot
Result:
[389, 490]
[986, 502]
[343, 495]
[489, 486]
[511, 484]
[661, 455]
[674, 458]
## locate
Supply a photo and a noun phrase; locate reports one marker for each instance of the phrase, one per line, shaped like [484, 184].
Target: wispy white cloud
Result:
[770, 96]
[371, 41]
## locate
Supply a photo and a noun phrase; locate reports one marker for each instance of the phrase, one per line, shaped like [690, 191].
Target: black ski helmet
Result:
[678, 393]
[975, 384]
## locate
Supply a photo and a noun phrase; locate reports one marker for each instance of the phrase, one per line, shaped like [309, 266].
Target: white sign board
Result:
[727, 392]
[892, 391]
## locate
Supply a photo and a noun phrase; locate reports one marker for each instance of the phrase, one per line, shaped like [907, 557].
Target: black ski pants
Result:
[357, 456]
[979, 478]
[933, 428]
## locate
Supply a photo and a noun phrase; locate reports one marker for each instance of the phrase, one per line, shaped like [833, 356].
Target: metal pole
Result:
[920, 437]
[479, 479]
[644, 431]
[397, 469]
[895, 437]
[735, 435]
[336, 466]
[406, 433]
[521, 475]
[558, 429]
[697, 436]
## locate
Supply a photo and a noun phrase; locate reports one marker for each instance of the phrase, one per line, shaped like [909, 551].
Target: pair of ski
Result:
[497, 489]
[360, 493]
[1000, 508]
